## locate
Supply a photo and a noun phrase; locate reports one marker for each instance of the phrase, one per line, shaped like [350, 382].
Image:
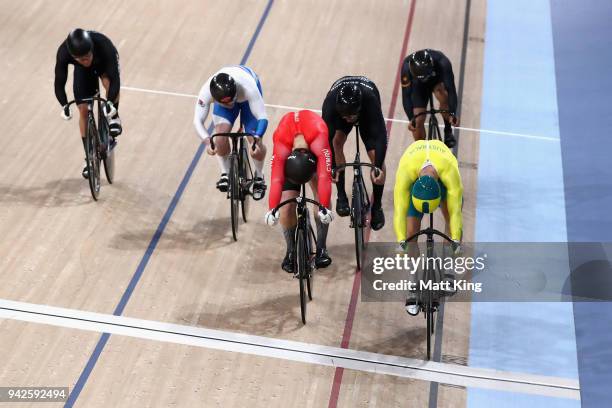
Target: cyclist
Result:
[93, 56]
[423, 73]
[301, 148]
[427, 177]
[355, 100]
[234, 90]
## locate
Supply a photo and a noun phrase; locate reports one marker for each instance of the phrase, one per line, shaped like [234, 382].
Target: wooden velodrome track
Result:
[59, 248]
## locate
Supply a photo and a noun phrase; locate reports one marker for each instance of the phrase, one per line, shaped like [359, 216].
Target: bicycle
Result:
[427, 299]
[240, 177]
[100, 146]
[433, 129]
[305, 246]
[360, 201]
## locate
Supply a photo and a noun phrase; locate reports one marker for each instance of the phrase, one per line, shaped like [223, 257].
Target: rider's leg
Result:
[258, 155]
[375, 141]
[338, 141]
[322, 258]
[288, 223]
[222, 150]
[114, 122]
[85, 85]
[441, 94]
[419, 131]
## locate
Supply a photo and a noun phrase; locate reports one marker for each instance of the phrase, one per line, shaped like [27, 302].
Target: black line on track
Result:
[437, 351]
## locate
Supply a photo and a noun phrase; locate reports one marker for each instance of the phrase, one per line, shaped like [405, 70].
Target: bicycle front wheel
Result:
[246, 175]
[302, 260]
[358, 223]
[234, 195]
[93, 160]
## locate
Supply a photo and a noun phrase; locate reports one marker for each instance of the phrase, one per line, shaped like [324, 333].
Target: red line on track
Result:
[350, 315]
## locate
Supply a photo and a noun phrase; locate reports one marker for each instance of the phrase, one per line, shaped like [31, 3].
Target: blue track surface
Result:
[582, 47]
[520, 199]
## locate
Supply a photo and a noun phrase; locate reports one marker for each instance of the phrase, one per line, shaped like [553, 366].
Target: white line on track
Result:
[284, 107]
[292, 350]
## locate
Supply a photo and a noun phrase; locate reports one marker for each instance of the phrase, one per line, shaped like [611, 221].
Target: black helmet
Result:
[421, 65]
[79, 42]
[348, 101]
[301, 165]
[222, 87]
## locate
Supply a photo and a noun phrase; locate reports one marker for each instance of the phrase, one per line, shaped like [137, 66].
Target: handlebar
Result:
[298, 200]
[354, 165]
[430, 112]
[233, 135]
[432, 231]
[88, 100]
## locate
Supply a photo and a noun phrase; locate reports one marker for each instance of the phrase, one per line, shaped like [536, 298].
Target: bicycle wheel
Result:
[93, 160]
[358, 223]
[302, 257]
[309, 246]
[234, 194]
[108, 158]
[246, 176]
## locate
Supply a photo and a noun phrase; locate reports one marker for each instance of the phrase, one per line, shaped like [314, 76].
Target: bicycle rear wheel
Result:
[309, 241]
[234, 194]
[358, 223]
[108, 158]
[302, 259]
[246, 176]
[93, 160]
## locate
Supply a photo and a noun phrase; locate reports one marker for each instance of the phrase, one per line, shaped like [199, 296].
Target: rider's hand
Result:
[66, 113]
[326, 216]
[457, 250]
[377, 179]
[109, 110]
[257, 149]
[271, 218]
[210, 150]
[454, 120]
[336, 175]
[411, 126]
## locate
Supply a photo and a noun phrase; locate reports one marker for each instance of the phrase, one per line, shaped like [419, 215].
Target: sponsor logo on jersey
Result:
[327, 155]
[201, 102]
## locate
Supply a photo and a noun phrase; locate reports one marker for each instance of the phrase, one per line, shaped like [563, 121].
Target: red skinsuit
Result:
[314, 130]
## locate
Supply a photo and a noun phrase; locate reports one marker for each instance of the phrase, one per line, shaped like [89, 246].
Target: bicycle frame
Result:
[360, 201]
[303, 254]
[239, 182]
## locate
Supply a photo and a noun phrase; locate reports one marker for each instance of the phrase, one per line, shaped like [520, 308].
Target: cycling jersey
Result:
[416, 94]
[410, 165]
[105, 62]
[371, 120]
[313, 128]
[249, 103]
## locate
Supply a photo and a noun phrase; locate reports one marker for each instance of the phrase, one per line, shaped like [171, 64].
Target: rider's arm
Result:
[112, 70]
[449, 83]
[201, 111]
[454, 199]
[373, 128]
[401, 198]
[258, 109]
[320, 147]
[61, 74]
[281, 152]
[407, 90]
